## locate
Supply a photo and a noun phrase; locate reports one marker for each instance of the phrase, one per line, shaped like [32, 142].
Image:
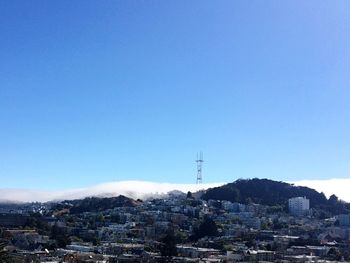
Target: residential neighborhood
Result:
[178, 228]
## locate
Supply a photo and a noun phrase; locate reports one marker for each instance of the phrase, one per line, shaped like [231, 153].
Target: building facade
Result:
[299, 206]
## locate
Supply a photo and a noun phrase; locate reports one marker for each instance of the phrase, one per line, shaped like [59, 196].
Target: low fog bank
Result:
[339, 187]
[144, 190]
[132, 189]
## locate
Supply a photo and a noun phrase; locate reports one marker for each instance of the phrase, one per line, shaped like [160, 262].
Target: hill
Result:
[272, 193]
[96, 204]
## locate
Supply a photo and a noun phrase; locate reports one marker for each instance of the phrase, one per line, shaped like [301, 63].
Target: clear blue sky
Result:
[96, 91]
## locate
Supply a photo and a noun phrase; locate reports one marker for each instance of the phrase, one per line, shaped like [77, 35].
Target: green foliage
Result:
[251, 243]
[266, 225]
[334, 253]
[116, 218]
[181, 237]
[168, 244]
[95, 241]
[273, 193]
[279, 225]
[4, 255]
[225, 192]
[189, 194]
[36, 221]
[333, 200]
[94, 204]
[207, 227]
[59, 234]
[71, 219]
[275, 209]
[263, 191]
[76, 239]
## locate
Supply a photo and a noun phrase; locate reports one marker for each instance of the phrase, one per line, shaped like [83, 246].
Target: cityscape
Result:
[159, 131]
[182, 227]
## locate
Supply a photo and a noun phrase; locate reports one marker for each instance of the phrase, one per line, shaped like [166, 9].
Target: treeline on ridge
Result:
[273, 193]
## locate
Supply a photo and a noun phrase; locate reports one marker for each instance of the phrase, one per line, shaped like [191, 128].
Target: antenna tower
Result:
[199, 162]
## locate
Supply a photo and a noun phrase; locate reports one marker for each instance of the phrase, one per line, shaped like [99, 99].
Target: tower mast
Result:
[199, 162]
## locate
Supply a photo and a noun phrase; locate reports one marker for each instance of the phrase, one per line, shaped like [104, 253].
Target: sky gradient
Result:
[98, 91]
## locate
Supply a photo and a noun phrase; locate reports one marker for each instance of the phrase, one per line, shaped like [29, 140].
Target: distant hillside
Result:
[269, 192]
[96, 204]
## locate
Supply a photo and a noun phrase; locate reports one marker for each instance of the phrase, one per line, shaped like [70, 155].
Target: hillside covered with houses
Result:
[246, 221]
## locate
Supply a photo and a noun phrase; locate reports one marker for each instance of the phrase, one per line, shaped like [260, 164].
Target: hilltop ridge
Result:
[273, 193]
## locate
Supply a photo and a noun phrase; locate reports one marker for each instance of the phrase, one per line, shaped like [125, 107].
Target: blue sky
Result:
[97, 91]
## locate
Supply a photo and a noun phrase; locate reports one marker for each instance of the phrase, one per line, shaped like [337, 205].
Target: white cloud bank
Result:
[339, 187]
[142, 190]
[132, 189]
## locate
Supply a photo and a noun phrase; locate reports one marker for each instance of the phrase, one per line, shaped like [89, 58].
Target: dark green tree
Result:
[333, 200]
[207, 227]
[4, 255]
[189, 195]
[334, 253]
[59, 234]
[168, 245]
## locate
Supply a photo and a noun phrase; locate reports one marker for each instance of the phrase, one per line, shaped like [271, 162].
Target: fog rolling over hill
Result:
[337, 186]
[143, 189]
[132, 189]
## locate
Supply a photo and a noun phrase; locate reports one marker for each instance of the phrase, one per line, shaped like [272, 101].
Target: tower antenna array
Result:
[199, 162]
